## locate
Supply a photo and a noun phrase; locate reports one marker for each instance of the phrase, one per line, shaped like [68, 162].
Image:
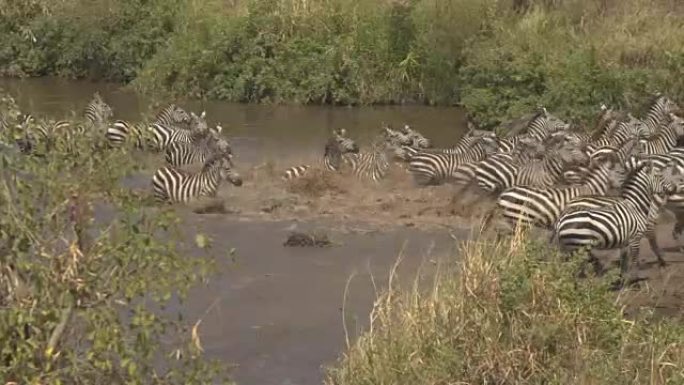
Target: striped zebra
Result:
[544, 124]
[617, 222]
[174, 116]
[172, 185]
[500, 172]
[372, 165]
[142, 134]
[160, 134]
[180, 154]
[541, 206]
[417, 139]
[658, 113]
[430, 168]
[337, 145]
[97, 113]
[665, 139]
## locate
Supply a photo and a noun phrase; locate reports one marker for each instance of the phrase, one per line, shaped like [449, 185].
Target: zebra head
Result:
[333, 153]
[228, 173]
[198, 122]
[173, 116]
[98, 111]
[573, 154]
[223, 147]
[636, 127]
[417, 139]
[395, 137]
[344, 143]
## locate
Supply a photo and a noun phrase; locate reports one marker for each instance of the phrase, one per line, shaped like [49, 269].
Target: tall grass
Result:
[510, 314]
[494, 58]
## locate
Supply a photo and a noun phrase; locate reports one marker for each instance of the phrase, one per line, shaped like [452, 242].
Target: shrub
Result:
[510, 314]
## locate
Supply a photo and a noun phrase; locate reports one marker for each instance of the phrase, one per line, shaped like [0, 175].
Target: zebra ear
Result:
[203, 114]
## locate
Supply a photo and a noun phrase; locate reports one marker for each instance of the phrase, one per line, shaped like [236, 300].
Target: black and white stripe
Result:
[541, 207]
[173, 185]
[97, 112]
[337, 145]
[417, 140]
[658, 112]
[617, 223]
[666, 139]
[180, 154]
[434, 168]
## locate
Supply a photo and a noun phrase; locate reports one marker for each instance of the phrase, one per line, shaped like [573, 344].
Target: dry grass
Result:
[510, 313]
[315, 183]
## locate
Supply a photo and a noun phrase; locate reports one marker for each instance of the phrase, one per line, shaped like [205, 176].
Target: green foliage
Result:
[76, 255]
[510, 314]
[499, 63]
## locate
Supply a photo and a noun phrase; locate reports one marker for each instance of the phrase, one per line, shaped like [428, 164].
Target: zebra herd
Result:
[184, 138]
[602, 190]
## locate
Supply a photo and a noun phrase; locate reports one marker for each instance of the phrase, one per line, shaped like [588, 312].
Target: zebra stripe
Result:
[500, 172]
[544, 124]
[666, 139]
[173, 117]
[611, 222]
[337, 145]
[541, 206]
[181, 154]
[97, 112]
[173, 185]
[434, 169]
[658, 113]
[416, 138]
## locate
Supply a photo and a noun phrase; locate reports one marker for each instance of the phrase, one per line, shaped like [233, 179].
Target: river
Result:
[276, 313]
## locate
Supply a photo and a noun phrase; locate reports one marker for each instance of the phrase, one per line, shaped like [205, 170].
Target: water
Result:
[264, 316]
[276, 130]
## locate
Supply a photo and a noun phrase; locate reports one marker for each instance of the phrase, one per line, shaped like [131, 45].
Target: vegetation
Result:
[498, 58]
[76, 254]
[511, 314]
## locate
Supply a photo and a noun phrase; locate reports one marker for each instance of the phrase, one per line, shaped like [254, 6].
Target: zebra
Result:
[372, 165]
[172, 185]
[174, 117]
[181, 153]
[434, 168]
[666, 139]
[541, 206]
[336, 145]
[169, 119]
[499, 172]
[416, 138]
[619, 223]
[658, 112]
[96, 113]
[544, 124]
[159, 135]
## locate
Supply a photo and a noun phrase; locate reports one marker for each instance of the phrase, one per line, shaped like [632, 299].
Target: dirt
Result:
[279, 313]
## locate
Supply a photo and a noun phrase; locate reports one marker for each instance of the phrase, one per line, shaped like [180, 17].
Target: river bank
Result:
[496, 60]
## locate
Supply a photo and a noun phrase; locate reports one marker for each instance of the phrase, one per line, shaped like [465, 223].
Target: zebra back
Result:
[658, 112]
[664, 140]
[173, 185]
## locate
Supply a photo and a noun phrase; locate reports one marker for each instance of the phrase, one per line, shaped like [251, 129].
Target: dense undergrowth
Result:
[511, 314]
[497, 59]
[77, 250]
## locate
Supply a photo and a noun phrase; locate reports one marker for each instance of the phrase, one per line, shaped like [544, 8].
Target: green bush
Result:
[510, 314]
[76, 302]
[497, 61]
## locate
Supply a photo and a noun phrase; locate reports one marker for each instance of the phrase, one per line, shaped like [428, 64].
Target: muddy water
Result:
[277, 312]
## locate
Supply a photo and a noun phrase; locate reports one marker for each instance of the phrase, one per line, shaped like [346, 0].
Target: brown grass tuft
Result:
[317, 183]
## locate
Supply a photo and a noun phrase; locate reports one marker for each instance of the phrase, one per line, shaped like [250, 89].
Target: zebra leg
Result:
[652, 241]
